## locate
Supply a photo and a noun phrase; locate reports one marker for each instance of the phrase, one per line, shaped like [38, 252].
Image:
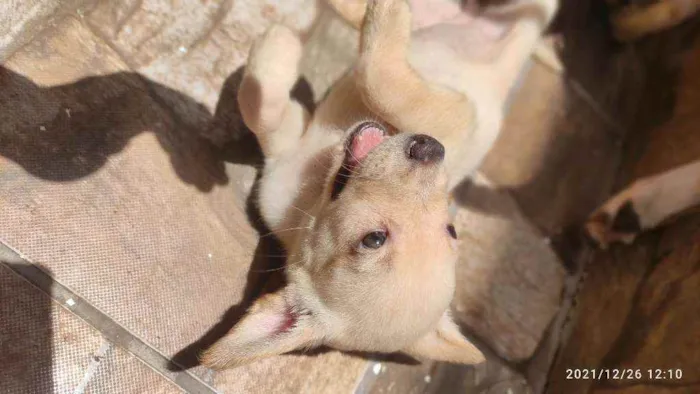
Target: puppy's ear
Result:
[446, 343]
[272, 326]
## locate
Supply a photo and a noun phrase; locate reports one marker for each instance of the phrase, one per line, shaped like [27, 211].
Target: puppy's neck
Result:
[308, 194]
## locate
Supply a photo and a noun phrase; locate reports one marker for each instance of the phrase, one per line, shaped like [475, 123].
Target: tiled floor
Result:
[47, 349]
[108, 184]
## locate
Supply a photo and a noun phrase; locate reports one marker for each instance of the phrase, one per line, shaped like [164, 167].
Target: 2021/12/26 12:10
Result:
[623, 374]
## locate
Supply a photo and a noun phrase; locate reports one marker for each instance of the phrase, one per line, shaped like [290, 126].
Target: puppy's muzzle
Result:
[425, 149]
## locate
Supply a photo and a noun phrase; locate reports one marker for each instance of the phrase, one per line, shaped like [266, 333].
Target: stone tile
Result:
[46, 349]
[146, 30]
[509, 281]
[192, 46]
[398, 378]
[486, 378]
[554, 155]
[20, 20]
[121, 372]
[331, 372]
[126, 206]
[80, 53]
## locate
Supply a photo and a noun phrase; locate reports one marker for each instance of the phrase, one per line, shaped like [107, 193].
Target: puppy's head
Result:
[376, 269]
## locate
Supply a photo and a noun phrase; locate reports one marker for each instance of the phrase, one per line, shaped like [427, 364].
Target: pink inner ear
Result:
[278, 323]
[288, 321]
[365, 141]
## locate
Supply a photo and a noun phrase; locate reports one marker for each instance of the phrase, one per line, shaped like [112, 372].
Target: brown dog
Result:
[358, 193]
[645, 204]
[635, 20]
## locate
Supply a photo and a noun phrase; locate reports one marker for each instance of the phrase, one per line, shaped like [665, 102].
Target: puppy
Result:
[645, 204]
[358, 192]
[635, 21]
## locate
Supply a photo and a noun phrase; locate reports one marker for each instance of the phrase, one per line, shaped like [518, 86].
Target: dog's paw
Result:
[616, 221]
[387, 25]
[275, 57]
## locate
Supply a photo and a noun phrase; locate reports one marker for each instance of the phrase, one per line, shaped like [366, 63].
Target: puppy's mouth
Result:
[358, 146]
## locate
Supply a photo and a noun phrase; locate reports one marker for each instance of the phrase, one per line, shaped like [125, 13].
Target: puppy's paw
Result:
[274, 58]
[616, 221]
[271, 72]
[387, 25]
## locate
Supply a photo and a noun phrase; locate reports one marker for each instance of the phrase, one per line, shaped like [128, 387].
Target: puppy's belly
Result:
[439, 64]
[475, 40]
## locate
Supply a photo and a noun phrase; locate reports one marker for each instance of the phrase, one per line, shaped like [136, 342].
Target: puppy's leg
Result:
[633, 21]
[645, 204]
[352, 11]
[267, 109]
[393, 90]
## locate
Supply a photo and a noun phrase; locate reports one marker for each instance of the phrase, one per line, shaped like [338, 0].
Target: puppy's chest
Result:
[291, 184]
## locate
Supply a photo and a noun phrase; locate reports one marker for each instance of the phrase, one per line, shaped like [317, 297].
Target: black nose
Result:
[425, 149]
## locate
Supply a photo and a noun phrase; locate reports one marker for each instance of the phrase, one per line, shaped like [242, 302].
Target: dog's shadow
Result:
[67, 132]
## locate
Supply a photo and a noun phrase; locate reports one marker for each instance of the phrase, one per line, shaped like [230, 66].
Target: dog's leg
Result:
[522, 42]
[267, 109]
[351, 11]
[395, 92]
[633, 21]
[645, 204]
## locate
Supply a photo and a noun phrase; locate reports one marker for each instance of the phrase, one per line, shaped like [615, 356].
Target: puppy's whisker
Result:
[284, 230]
[312, 217]
[298, 262]
[273, 255]
[268, 270]
[356, 174]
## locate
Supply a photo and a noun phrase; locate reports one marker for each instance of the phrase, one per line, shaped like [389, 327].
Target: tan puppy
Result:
[634, 21]
[358, 193]
[645, 204]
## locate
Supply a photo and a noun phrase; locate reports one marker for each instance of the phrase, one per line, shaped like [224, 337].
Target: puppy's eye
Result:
[451, 230]
[374, 240]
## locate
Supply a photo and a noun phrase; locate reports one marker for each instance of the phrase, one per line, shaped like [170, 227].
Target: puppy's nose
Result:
[425, 149]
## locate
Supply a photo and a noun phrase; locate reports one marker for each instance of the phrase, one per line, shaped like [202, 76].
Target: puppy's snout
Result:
[425, 149]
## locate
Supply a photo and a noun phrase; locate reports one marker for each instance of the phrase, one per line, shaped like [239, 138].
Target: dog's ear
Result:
[272, 326]
[446, 343]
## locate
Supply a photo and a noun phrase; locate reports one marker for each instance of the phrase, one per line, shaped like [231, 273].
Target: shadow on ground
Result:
[26, 331]
[83, 123]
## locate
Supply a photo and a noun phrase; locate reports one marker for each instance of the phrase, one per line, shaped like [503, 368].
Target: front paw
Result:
[387, 25]
[274, 59]
[617, 221]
